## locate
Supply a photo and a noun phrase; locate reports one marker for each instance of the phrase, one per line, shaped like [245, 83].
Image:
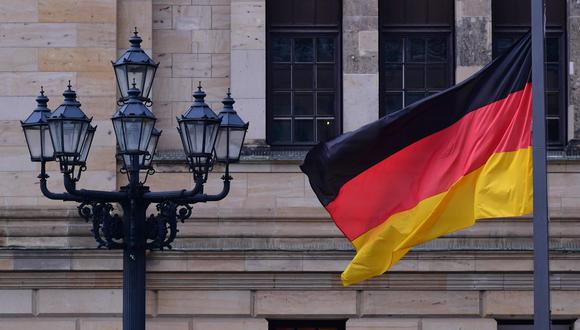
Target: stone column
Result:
[248, 65]
[360, 63]
[472, 36]
[574, 79]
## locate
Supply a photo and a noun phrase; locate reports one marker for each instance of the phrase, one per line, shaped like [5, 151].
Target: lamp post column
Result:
[134, 269]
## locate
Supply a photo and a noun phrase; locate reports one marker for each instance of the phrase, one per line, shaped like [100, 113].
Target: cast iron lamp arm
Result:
[162, 196]
[49, 194]
[202, 198]
[93, 195]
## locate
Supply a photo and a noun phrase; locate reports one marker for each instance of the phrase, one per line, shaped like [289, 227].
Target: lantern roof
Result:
[229, 117]
[199, 110]
[70, 108]
[41, 113]
[135, 54]
[134, 106]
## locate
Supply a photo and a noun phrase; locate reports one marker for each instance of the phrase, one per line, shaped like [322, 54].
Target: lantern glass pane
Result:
[118, 126]
[151, 149]
[148, 80]
[136, 73]
[146, 134]
[32, 134]
[195, 130]
[183, 135]
[229, 150]
[56, 134]
[211, 136]
[47, 149]
[86, 146]
[72, 133]
[120, 71]
[132, 131]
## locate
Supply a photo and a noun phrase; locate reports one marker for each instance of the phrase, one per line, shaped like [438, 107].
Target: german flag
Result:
[431, 168]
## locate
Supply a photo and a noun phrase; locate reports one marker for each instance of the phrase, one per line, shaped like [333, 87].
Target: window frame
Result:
[306, 31]
[408, 30]
[552, 30]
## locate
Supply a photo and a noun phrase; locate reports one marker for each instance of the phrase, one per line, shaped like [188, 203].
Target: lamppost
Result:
[65, 136]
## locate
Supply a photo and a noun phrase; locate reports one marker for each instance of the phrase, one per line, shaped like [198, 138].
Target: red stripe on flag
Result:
[431, 165]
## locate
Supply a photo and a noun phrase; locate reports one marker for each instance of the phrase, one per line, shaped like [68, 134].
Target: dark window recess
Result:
[416, 51]
[511, 19]
[303, 71]
[529, 325]
[307, 325]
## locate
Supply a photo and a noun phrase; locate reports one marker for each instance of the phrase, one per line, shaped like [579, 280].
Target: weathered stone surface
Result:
[458, 324]
[248, 20]
[192, 65]
[96, 35]
[77, 11]
[79, 301]
[203, 302]
[162, 17]
[297, 303]
[248, 65]
[131, 14]
[420, 303]
[191, 17]
[220, 17]
[18, 11]
[360, 100]
[464, 72]
[382, 323]
[473, 41]
[230, 323]
[211, 41]
[172, 41]
[160, 324]
[17, 59]
[287, 185]
[36, 323]
[15, 302]
[507, 303]
[220, 65]
[368, 43]
[38, 35]
[101, 324]
[28, 84]
[172, 89]
[75, 59]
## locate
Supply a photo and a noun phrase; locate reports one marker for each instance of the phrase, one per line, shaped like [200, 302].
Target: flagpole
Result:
[541, 242]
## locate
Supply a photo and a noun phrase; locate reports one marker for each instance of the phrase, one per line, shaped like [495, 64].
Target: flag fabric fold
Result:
[431, 168]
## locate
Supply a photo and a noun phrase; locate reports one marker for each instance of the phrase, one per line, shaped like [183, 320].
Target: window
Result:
[303, 71]
[416, 55]
[511, 19]
[307, 325]
[529, 325]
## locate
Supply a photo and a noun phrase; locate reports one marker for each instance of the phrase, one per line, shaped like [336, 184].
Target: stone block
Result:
[249, 65]
[18, 59]
[220, 65]
[75, 59]
[473, 41]
[172, 89]
[278, 185]
[248, 25]
[16, 158]
[37, 323]
[96, 84]
[211, 41]
[98, 35]
[172, 2]
[172, 41]
[382, 323]
[79, 301]
[25, 181]
[28, 84]
[57, 11]
[131, 14]
[15, 302]
[295, 303]
[459, 324]
[157, 324]
[220, 17]
[360, 100]
[215, 89]
[192, 65]
[508, 303]
[38, 35]
[230, 323]
[420, 303]
[162, 17]
[368, 43]
[203, 302]
[361, 8]
[273, 265]
[101, 324]
[464, 72]
[18, 11]
[473, 8]
[191, 17]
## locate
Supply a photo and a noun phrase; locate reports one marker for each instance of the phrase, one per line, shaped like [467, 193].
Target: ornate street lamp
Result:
[37, 133]
[232, 133]
[135, 66]
[70, 134]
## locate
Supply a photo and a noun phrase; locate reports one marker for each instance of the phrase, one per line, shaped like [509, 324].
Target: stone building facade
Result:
[268, 253]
